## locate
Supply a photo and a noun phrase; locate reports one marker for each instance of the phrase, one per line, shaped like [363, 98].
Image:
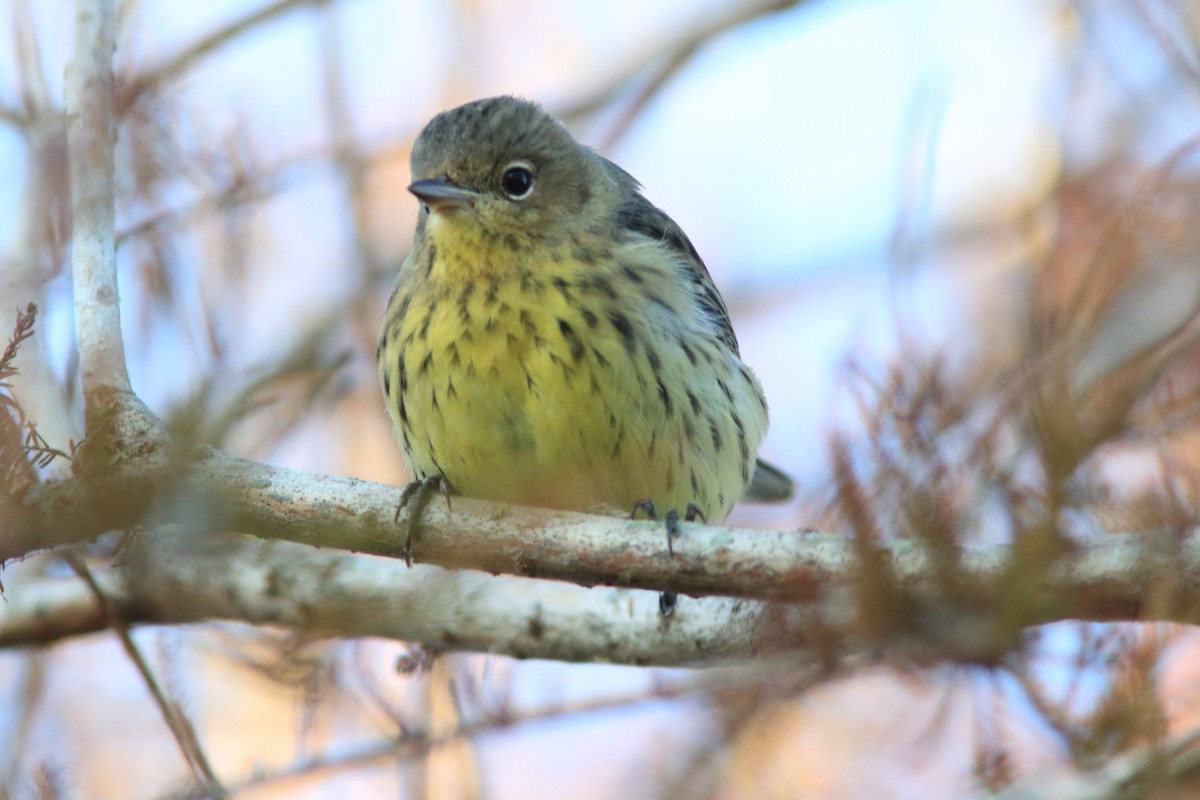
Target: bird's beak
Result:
[440, 193]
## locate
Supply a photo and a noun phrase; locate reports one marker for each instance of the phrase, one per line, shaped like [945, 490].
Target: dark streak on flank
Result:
[688, 351]
[658, 301]
[428, 319]
[745, 447]
[665, 396]
[403, 309]
[652, 357]
[572, 339]
[623, 326]
[563, 286]
[383, 340]
[583, 255]
[601, 284]
[527, 322]
[465, 293]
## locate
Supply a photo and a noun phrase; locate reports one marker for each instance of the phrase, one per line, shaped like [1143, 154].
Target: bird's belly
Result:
[498, 441]
[529, 429]
[544, 404]
[526, 407]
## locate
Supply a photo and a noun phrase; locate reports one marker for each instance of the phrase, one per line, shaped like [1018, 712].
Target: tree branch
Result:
[91, 137]
[140, 477]
[135, 475]
[176, 576]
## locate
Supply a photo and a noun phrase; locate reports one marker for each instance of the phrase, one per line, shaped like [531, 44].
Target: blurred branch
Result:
[412, 745]
[1168, 40]
[155, 77]
[131, 474]
[31, 67]
[673, 65]
[181, 727]
[151, 480]
[664, 64]
[348, 155]
[13, 117]
[1158, 769]
[675, 52]
[178, 576]
[92, 135]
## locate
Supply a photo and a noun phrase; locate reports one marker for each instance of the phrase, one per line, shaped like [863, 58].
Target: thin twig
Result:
[410, 746]
[1168, 40]
[181, 728]
[14, 118]
[673, 65]
[687, 42]
[33, 88]
[186, 59]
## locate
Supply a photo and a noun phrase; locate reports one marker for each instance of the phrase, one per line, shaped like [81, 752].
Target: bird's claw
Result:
[668, 600]
[419, 492]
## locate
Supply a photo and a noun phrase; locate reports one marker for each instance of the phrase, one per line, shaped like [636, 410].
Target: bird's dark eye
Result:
[517, 181]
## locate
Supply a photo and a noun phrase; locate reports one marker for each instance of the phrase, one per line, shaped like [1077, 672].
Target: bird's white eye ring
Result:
[517, 180]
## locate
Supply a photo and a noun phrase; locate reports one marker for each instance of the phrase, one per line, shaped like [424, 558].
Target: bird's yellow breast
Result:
[558, 381]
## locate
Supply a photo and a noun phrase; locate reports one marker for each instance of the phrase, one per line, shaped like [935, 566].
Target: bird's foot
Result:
[668, 600]
[419, 492]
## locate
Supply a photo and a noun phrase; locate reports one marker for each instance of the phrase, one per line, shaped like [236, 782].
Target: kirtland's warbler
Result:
[554, 340]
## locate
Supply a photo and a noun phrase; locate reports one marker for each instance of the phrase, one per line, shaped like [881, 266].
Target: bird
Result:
[553, 339]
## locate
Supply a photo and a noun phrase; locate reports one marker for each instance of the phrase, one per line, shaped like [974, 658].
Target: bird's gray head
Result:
[505, 164]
